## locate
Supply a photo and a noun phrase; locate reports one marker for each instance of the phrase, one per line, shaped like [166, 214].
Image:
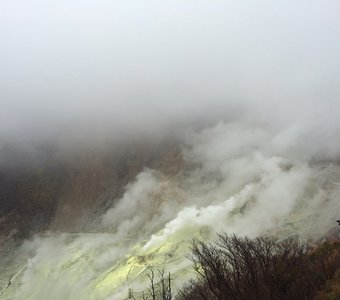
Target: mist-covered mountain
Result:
[129, 128]
[91, 224]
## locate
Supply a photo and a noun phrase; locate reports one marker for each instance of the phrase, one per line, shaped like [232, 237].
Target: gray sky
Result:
[129, 65]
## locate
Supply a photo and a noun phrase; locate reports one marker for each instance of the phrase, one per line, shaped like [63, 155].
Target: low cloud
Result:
[85, 73]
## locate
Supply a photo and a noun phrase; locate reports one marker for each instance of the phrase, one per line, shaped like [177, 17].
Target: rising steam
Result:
[249, 91]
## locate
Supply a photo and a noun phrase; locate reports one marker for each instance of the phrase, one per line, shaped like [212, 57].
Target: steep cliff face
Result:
[60, 193]
[29, 199]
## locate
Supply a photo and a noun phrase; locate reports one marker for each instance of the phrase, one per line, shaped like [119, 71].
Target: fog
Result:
[250, 90]
[243, 181]
[126, 67]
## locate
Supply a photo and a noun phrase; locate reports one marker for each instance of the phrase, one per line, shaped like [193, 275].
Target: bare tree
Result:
[243, 269]
[165, 285]
[160, 288]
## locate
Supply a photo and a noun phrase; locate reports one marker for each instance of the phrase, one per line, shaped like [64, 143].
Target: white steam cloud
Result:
[236, 179]
[251, 91]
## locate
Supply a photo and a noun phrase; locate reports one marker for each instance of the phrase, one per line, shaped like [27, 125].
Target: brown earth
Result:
[63, 193]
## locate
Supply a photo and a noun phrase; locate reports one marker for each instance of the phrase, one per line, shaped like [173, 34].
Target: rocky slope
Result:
[60, 193]
[92, 222]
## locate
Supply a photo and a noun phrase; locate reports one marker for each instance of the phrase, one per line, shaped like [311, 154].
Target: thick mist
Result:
[82, 72]
[249, 91]
[237, 178]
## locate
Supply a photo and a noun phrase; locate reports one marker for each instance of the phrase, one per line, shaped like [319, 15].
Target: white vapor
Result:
[250, 90]
[236, 179]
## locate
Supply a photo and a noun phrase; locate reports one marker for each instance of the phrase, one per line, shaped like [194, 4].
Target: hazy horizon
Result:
[85, 69]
